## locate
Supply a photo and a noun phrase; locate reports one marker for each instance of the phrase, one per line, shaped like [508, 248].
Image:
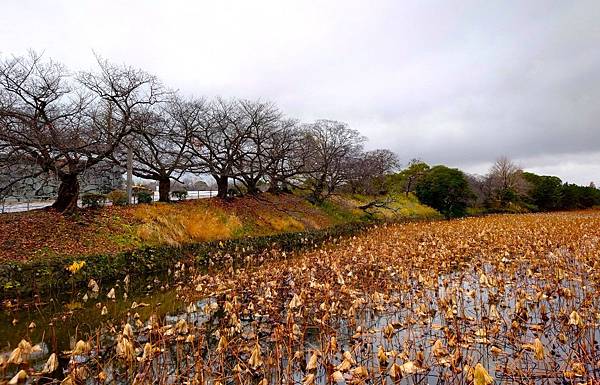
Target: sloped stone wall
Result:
[101, 178]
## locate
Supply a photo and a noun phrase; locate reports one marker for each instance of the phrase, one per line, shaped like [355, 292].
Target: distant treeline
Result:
[506, 188]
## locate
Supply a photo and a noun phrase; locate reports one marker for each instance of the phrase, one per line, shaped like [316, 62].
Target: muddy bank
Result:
[52, 276]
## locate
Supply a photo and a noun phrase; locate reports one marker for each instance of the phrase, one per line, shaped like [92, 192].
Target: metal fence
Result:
[13, 204]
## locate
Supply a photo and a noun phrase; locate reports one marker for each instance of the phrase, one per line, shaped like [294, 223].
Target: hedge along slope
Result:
[51, 275]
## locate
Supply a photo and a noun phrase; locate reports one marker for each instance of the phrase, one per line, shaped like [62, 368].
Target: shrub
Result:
[143, 194]
[446, 190]
[179, 195]
[93, 200]
[144, 197]
[117, 197]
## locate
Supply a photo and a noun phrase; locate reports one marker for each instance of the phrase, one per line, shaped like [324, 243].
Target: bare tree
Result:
[366, 172]
[506, 181]
[161, 142]
[287, 156]
[330, 145]
[481, 187]
[263, 122]
[235, 141]
[218, 142]
[52, 122]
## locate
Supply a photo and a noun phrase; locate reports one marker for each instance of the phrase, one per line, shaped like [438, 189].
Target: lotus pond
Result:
[504, 299]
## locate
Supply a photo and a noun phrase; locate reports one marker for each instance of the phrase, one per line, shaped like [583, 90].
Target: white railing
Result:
[16, 204]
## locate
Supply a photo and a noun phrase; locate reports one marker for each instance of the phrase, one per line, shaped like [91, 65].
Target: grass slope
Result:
[44, 233]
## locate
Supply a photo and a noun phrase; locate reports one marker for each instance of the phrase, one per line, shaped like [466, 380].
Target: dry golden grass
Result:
[169, 224]
[285, 224]
[396, 206]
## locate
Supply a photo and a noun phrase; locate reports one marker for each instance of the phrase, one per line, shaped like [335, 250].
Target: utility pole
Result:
[129, 175]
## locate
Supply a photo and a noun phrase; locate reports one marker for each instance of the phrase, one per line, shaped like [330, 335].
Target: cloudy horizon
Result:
[456, 83]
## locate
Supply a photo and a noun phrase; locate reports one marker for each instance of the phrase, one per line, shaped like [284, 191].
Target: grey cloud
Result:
[455, 82]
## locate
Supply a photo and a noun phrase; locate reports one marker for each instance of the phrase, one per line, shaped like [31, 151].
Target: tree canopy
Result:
[446, 190]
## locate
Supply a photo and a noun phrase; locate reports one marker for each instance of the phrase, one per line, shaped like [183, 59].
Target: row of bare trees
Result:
[53, 121]
[251, 143]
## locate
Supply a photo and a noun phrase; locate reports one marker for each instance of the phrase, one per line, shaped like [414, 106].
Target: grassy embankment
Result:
[37, 247]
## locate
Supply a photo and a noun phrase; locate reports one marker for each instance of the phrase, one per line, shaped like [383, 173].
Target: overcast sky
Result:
[453, 82]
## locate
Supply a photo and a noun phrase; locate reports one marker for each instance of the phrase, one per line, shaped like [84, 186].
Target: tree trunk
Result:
[274, 185]
[285, 188]
[252, 188]
[317, 194]
[164, 188]
[408, 186]
[275, 189]
[222, 185]
[68, 194]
